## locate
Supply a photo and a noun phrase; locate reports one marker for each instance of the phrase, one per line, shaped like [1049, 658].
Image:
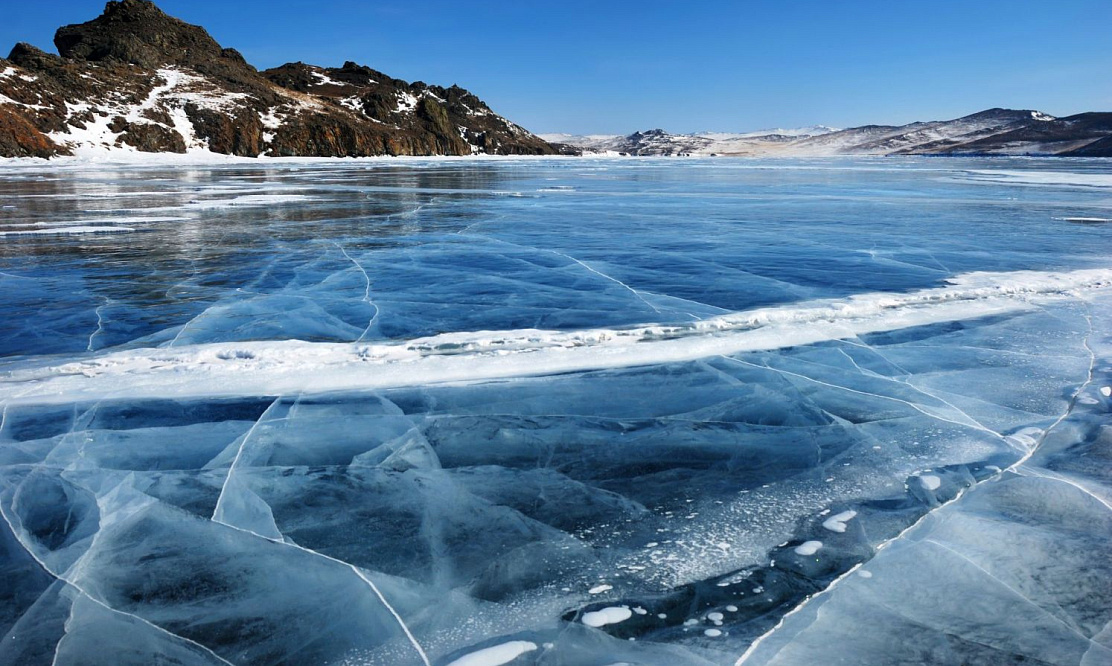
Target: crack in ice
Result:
[366, 293]
[90, 597]
[1014, 468]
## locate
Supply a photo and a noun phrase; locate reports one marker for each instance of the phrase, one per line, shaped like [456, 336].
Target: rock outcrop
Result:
[135, 78]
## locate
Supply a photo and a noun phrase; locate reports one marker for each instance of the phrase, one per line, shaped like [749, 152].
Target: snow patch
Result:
[406, 103]
[611, 615]
[246, 200]
[837, 522]
[496, 655]
[930, 482]
[68, 231]
[808, 548]
[325, 80]
[1085, 220]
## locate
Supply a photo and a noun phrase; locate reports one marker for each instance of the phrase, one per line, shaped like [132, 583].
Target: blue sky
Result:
[614, 67]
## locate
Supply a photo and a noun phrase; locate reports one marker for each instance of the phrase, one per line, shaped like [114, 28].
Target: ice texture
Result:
[556, 411]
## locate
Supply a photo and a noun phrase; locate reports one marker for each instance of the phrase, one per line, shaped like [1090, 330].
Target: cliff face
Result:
[135, 77]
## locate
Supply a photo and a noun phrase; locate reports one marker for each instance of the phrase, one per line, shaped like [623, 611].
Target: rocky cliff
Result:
[135, 78]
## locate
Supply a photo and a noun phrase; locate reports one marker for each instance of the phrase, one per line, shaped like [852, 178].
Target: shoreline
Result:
[130, 158]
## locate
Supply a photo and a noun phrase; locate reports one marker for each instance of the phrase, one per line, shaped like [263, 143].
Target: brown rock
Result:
[20, 138]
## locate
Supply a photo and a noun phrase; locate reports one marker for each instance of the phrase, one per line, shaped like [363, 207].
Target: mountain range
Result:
[137, 79]
[991, 132]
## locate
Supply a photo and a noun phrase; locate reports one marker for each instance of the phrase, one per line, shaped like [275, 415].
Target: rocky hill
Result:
[137, 79]
[991, 132]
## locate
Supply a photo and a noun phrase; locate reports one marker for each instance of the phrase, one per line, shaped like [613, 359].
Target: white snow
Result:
[495, 655]
[808, 548]
[325, 80]
[611, 615]
[1106, 391]
[713, 633]
[246, 200]
[353, 103]
[930, 482]
[173, 90]
[292, 366]
[68, 231]
[406, 103]
[1036, 178]
[8, 100]
[271, 120]
[837, 522]
[12, 71]
[599, 589]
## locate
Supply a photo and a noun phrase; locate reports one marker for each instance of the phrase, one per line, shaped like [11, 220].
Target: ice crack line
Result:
[242, 445]
[90, 597]
[1073, 398]
[366, 293]
[370, 583]
[1011, 589]
[217, 517]
[961, 493]
[917, 408]
[100, 322]
[607, 277]
[972, 421]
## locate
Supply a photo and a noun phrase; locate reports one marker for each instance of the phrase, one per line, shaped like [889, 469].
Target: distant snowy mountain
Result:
[137, 79]
[991, 132]
[660, 142]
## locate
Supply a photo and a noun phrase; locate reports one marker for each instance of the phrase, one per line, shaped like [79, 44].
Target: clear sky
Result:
[605, 66]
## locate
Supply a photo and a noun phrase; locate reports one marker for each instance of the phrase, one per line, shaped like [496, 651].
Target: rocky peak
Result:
[1004, 115]
[139, 33]
[31, 57]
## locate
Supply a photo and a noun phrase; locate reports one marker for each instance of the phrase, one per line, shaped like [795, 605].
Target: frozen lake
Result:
[563, 411]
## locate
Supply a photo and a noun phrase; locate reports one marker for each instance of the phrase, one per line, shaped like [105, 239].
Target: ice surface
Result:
[431, 412]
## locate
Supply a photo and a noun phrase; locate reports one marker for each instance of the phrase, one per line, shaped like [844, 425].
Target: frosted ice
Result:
[431, 411]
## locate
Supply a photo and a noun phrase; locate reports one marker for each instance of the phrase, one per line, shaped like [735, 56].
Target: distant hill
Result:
[991, 132]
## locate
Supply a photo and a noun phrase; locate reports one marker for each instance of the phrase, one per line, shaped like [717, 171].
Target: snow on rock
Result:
[406, 103]
[325, 80]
